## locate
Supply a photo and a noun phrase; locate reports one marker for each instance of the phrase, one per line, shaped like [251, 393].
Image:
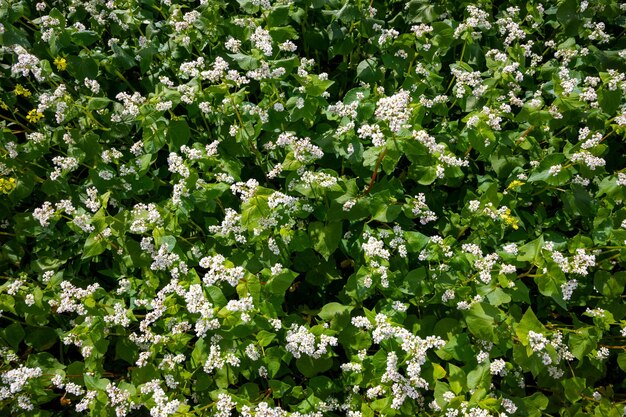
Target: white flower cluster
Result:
[176, 164]
[26, 64]
[69, 299]
[421, 29]
[216, 73]
[538, 343]
[588, 159]
[217, 359]
[394, 110]
[163, 260]
[163, 407]
[310, 179]
[120, 400]
[416, 349]
[263, 409]
[196, 302]
[55, 99]
[375, 248]
[373, 132]
[118, 318]
[303, 150]
[230, 224]
[262, 40]
[386, 35]
[145, 216]
[300, 341]
[44, 213]
[578, 264]
[568, 289]
[438, 151]
[478, 19]
[130, 105]
[466, 80]
[464, 305]
[344, 110]
[484, 265]
[507, 26]
[218, 271]
[246, 189]
[243, 305]
[14, 380]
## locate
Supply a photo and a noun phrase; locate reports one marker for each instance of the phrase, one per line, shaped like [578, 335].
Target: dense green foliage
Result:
[312, 208]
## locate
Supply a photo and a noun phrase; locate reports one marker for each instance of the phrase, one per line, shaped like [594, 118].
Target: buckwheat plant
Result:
[307, 208]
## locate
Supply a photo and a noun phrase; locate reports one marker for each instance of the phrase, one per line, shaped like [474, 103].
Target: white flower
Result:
[555, 169]
[498, 367]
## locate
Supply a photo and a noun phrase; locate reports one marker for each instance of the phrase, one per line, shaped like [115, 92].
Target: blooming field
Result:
[312, 208]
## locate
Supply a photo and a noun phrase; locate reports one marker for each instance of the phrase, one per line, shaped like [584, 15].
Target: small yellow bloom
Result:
[20, 90]
[514, 184]
[7, 185]
[509, 220]
[3, 105]
[34, 116]
[61, 63]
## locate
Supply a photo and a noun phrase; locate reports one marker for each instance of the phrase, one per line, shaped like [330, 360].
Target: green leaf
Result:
[533, 405]
[310, 367]
[13, 334]
[529, 322]
[479, 322]
[281, 282]
[97, 103]
[126, 350]
[81, 68]
[416, 241]
[272, 359]
[368, 70]
[610, 285]
[94, 383]
[583, 342]
[85, 37]
[41, 338]
[478, 377]
[330, 310]
[178, 134]
[265, 338]
[279, 388]
[531, 251]
[621, 361]
[325, 237]
[94, 246]
[322, 386]
[573, 388]
[278, 15]
[456, 378]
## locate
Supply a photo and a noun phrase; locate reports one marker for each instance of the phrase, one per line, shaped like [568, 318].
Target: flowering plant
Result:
[312, 208]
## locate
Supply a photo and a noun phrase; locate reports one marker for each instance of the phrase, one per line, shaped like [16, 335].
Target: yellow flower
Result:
[514, 184]
[21, 91]
[3, 105]
[61, 63]
[7, 185]
[34, 116]
[509, 220]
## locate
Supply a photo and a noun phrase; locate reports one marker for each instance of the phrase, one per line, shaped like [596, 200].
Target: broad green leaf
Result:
[528, 323]
[573, 388]
[310, 367]
[280, 283]
[330, 310]
[13, 334]
[479, 322]
[325, 237]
